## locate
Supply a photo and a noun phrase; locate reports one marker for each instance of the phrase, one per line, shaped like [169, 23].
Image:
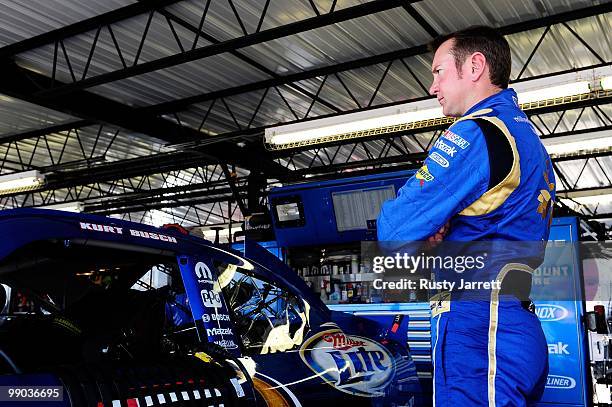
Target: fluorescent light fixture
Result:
[331, 126]
[66, 207]
[424, 113]
[596, 141]
[580, 146]
[553, 92]
[576, 202]
[392, 118]
[21, 181]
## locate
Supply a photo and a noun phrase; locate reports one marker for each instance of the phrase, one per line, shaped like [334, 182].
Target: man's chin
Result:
[448, 113]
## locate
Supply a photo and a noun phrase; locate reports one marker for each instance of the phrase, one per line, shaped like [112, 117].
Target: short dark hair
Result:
[483, 39]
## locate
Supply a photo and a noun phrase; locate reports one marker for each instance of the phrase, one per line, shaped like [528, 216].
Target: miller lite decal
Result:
[352, 364]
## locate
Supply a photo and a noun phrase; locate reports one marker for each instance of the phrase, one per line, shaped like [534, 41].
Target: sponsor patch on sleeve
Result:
[456, 139]
[423, 175]
[445, 148]
[438, 159]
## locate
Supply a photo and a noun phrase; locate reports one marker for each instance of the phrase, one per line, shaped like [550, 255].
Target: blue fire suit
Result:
[491, 178]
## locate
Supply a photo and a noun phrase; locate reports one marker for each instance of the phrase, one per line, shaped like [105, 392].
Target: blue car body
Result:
[287, 347]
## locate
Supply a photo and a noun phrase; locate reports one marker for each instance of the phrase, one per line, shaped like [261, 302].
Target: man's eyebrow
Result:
[435, 67]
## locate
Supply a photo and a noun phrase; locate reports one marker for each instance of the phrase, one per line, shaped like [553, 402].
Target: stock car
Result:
[103, 312]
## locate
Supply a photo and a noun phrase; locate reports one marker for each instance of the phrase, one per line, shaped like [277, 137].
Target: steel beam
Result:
[23, 84]
[248, 40]
[180, 104]
[84, 26]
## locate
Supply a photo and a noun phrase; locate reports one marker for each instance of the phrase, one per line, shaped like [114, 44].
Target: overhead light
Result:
[66, 207]
[554, 92]
[576, 202]
[409, 116]
[354, 125]
[21, 182]
[596, 141]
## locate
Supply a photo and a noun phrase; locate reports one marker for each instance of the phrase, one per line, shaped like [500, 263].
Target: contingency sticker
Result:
[352, 364]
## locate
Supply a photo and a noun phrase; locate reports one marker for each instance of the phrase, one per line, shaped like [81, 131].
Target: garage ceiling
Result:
[155, 110]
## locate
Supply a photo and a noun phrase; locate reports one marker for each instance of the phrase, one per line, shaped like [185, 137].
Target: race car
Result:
[104, 312]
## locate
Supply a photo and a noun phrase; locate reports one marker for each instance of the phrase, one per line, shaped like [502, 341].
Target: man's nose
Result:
[433, 89]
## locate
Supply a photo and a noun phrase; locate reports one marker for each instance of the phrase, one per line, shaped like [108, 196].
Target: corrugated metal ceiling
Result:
[366, 36]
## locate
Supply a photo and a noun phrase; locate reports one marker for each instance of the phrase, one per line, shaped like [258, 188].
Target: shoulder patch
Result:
[456, 139]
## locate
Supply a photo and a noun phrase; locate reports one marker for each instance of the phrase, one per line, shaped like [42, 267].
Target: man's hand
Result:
[438, 237]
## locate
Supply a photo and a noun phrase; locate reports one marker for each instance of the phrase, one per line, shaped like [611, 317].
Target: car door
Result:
[301, 357]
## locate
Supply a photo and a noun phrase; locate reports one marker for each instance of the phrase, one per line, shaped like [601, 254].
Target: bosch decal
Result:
[442, 146]
[352, 364]
[551, 312]
[456, 139]
[560, 382]
[438, 159]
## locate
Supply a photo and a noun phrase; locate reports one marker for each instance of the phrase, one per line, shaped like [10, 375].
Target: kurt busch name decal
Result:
[132, 232]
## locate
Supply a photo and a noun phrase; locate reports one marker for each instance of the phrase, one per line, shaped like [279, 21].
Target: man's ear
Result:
[478, 66]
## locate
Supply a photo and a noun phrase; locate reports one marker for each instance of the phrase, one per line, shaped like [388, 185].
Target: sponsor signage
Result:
[438, 159]
[423, 175]
[446, 148]
[558, 348]
[551, 312]
[352, 364]
[207, 303]
[456, 139]
[560, 382]
[560, 277]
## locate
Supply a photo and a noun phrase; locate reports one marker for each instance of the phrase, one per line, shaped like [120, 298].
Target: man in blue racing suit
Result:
[486, 178]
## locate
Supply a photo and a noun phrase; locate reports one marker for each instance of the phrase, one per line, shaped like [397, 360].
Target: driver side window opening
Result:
[268, 318]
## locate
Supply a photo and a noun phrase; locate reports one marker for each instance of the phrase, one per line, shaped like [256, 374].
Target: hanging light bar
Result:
[21, 182]
[531, 94]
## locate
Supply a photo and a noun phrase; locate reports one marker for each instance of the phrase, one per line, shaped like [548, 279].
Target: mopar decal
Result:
[352, 364]
[551, 312]
[203, 273]
[560, 382]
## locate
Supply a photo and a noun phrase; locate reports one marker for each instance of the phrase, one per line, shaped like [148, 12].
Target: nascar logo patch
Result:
[456, 139]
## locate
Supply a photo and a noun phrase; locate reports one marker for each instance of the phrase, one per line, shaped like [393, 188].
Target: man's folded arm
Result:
[453, 176]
